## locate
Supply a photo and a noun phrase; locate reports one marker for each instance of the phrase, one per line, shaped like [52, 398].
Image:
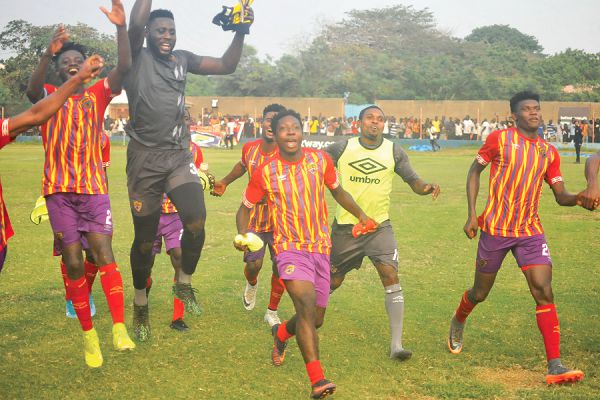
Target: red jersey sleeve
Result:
[49, 89]
[196, 154]
[490, 149]
[5, 133]
[255, 190]
[331, 177]
[553, 174]
[105, 150]
[245, 150]
[104, 95]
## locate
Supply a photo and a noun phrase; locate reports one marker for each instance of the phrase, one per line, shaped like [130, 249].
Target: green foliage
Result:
[26, 43]
[199, 85]
[396, 52]
[504, 34]
[251, 77]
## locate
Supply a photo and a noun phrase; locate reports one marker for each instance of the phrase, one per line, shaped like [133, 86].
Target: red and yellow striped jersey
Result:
[105, 146]
[519, 167]
[72, 141]
[253, 157]
[295, 194]
[167, 206]
[5, 228]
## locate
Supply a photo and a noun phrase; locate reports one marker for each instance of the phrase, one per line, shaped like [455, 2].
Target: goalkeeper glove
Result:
[235, 18]
[252, 241]
[40, 212]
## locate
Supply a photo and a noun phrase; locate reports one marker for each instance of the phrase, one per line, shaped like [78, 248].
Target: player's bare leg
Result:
[539, 279]
[189, 200]
[481, 288]
[304, 325]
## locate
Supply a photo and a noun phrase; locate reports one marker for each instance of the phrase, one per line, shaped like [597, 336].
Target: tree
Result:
[26, 43]
[504, 34]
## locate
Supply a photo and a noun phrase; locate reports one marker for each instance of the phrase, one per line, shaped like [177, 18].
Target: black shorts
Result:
[347, 252]
[151, 173]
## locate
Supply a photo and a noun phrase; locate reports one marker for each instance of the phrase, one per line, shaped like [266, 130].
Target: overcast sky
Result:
[282, 25]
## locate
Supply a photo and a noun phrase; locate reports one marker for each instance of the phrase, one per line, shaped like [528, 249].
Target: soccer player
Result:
[37, 115]
[170, 230]
[293, 182]
[591, 195]
[158, 156]
[91, 269]
[74, 182]
[521, 162]
[367, 165]
[254, 154]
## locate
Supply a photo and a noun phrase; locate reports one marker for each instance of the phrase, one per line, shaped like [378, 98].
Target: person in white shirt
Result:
[468, 127]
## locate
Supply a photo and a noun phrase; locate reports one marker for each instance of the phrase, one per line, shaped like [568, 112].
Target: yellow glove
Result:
[206, 180]
[235, 18]
[251, 240]
[40, 212]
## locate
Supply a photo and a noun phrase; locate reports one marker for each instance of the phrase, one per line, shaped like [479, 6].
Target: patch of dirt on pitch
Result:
[512, 379]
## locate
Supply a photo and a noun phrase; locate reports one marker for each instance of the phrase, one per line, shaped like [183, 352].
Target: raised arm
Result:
[35, 88]
[236, 172]
[473, 180]
[227, 64]
[46, 107]
[140, 13]
[117, 17]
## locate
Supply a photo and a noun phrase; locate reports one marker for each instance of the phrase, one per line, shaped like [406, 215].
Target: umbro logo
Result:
[515, 146]
[282, 177]
[367, 166]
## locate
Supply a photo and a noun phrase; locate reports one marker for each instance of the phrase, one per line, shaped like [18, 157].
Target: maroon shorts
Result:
[170, 229]
[3, 256]
[528, 251]
[294, 265]
[267, 238]
[72, 214]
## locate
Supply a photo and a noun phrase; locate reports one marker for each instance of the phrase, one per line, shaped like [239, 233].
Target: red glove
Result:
[362, 229]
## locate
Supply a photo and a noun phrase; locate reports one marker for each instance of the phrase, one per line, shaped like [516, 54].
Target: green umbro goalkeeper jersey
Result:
[367, 174]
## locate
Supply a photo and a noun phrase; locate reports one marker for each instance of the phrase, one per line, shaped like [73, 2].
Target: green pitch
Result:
[226, 354]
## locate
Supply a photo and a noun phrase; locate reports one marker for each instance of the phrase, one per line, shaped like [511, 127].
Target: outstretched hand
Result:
[218, 189]
[433, 189]
[589, 198]
[91, 68]
[58, 39]
[117, 14]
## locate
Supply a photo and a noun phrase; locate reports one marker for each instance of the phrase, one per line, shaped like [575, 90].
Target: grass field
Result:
[226, 355]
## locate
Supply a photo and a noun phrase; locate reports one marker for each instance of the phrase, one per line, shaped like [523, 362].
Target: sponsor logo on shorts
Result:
[137, 205]
[481, 263]
[290, 269]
